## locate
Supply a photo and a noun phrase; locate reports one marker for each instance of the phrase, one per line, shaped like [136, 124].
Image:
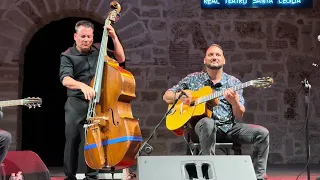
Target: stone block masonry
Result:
[165, 40]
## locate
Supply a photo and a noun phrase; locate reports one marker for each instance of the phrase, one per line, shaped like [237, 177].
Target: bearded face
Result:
[214, 58]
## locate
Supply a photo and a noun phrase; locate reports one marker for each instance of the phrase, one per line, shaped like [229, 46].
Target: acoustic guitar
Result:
[181, 113]
[31, 102]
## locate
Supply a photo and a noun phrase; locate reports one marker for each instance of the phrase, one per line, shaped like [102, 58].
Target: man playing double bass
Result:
[77, 68]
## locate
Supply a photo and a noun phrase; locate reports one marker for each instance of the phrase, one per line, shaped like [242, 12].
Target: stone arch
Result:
[22, 19]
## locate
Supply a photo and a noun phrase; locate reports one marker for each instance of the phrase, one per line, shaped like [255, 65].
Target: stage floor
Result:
[275, 172]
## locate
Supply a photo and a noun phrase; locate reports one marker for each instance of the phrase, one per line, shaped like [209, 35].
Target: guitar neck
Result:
[11, 103]
[220, 93]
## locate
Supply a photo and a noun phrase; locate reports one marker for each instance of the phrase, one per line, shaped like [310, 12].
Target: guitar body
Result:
[203, 100]
[181, 114]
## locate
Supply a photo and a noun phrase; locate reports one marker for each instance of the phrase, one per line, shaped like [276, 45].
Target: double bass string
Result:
[102, 54]
[99, 70]
[97, 81]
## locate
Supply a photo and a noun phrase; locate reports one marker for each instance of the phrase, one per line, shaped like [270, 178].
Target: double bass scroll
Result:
[112, 134]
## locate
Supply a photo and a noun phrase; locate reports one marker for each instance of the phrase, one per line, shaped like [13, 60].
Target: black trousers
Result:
[75, 115]
[5, 141]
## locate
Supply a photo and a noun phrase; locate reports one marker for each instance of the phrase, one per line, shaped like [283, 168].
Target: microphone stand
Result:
[149, 148]
[1, 113]
[307, 87]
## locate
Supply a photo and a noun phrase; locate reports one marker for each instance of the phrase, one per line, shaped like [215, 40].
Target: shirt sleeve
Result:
[110, 53]
[66, 67]
[182, 85]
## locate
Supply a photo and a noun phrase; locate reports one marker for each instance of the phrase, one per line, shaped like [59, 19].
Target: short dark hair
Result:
[84, 23]
[216, 45]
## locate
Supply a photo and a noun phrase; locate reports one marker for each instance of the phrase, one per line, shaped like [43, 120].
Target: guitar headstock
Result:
[32, 102]
[264, 82]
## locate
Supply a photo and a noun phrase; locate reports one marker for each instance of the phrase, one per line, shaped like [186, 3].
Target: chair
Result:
[194, 147]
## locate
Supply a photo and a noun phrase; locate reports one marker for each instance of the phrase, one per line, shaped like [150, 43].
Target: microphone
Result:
[217, 85]
[212, 85]
[184, 93]
[314, 64]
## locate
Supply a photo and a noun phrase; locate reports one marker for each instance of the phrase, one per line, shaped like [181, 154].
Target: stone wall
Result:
[164, 42]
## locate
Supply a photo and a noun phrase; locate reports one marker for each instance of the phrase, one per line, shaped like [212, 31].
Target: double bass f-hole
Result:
[112, 116]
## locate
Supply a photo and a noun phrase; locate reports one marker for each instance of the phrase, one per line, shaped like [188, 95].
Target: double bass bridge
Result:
[101, 121]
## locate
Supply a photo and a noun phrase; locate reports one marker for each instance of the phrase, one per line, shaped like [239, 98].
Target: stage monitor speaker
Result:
[28, 162]
[219, 167]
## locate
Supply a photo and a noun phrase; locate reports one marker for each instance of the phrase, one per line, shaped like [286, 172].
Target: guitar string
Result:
[220, 93]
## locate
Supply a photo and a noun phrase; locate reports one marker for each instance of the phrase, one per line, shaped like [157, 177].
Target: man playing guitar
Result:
[222, 124]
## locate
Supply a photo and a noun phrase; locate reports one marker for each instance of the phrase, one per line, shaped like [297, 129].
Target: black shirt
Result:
[80, 67]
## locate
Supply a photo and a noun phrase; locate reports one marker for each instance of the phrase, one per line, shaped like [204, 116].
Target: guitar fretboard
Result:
[220, 93]
[11, 103]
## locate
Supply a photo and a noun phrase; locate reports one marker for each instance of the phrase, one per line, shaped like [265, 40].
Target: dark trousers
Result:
[240, 133]
[5, 140]
[75, 115]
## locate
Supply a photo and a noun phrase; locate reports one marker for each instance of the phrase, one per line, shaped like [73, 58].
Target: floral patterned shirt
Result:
[222, 113]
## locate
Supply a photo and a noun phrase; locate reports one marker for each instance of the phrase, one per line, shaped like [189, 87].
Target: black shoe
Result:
[70, 178]
[264, 178]
[90, 178]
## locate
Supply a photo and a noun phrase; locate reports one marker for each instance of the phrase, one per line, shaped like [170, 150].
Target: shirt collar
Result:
[223, 81]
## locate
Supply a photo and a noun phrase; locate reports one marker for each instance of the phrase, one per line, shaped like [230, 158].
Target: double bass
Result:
[112, 134]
